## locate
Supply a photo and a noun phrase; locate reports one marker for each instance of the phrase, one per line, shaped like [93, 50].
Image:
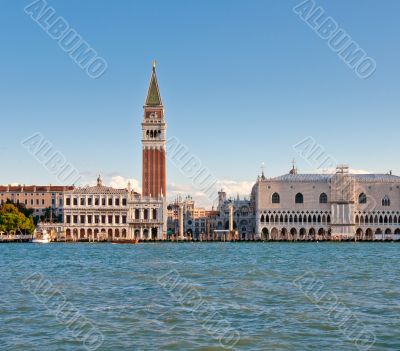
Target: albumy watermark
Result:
[318, 158]
[192, 168]
[51, 159]
[68, 39]
[80, 327]
[183, 292]
[338, 315]
[339, 41]
[315, 154]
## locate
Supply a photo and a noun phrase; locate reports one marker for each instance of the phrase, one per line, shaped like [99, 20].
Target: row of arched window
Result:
[295, 218]
[153, 133]
[377, 219]
[323, 199]
[359, 219]
[362, 199]
[299, 198]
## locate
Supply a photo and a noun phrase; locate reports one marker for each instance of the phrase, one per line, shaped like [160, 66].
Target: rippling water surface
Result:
[198, 296]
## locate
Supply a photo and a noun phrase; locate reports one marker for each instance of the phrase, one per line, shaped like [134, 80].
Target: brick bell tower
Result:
[154, 135]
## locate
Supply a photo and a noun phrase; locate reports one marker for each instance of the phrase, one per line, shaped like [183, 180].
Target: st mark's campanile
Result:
[154, 130]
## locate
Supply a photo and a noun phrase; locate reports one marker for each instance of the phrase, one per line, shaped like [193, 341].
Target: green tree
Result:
[22, 208]
[11, 219]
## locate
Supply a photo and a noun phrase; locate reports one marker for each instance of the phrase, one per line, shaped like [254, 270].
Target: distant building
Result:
[154, 136]
[300, 207]
[36, 197]
[172, 218]
[195, 219]
[201, 224]
[96, 213]
[147, 217]
[243, 216]
[327, 206]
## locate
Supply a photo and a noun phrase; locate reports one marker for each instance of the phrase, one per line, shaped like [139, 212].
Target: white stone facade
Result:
[147, 217]
[102, 213]
[336, 206]
[97, 213]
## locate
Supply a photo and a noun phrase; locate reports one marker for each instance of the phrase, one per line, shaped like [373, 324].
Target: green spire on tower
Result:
[153, 96]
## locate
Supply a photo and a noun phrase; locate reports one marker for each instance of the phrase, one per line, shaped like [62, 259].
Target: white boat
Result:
[42, 239]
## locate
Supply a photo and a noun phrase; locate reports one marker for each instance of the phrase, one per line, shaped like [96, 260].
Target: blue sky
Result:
[241, 81]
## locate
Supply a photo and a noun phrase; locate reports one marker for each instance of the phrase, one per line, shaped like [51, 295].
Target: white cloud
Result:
[174, 188]
[232, 187]
[121, 182]
[115, 181]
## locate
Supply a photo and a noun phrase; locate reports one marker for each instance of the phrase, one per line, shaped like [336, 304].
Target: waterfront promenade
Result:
[15, 238]
[10, 238]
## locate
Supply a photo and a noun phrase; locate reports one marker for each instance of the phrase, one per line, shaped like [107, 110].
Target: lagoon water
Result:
[201, 296]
